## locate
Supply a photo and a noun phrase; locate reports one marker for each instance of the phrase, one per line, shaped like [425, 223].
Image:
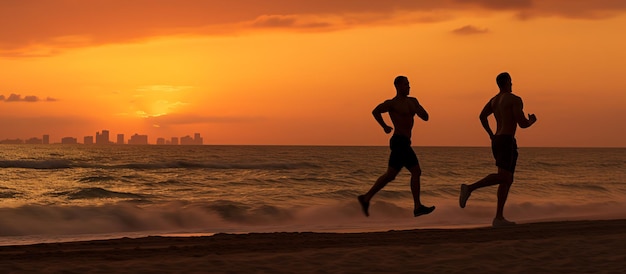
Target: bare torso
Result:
[504, 106]
[402, 111]
[508, 111]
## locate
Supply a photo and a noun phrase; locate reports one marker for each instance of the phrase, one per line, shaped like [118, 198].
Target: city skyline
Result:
[104, 138]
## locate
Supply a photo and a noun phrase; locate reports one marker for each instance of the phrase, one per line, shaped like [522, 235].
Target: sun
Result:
[159, 100]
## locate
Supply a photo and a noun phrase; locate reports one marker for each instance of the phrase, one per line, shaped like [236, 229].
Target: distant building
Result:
[102, 138]
[46, 139]
[138, 139]
[160, 141]
[120, 139]
[174, 141]
[34, 141]
[186, 140]
[197, 139]
[12, 141]
[69, 140]
[88, 140]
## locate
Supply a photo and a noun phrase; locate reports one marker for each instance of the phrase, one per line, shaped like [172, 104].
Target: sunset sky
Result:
[288, 72]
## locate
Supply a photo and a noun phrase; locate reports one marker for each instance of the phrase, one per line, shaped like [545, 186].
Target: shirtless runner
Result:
[508, 111]
[402, 109]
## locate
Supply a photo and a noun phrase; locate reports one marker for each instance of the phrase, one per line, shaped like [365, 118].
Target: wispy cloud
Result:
[469, 29]
[28, 98]
[54, 26]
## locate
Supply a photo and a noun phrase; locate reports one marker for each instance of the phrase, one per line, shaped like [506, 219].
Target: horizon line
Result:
[308, 145]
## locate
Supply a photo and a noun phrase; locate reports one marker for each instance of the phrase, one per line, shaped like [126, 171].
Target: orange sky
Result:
[309, 72]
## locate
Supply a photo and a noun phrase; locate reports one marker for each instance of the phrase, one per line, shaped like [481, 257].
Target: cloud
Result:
[499, 4]
[275, 21]
[469, 29]
[292, 22]
[28, 98]
[14, 98]
[38, 28]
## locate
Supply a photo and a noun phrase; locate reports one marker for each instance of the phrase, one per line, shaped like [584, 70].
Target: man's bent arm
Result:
[377, 113]
[518, 112]
[484, 114]
[420, 111]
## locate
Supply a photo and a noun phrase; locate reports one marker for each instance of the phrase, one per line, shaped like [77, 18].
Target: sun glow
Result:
[159, 100]
[309, 72]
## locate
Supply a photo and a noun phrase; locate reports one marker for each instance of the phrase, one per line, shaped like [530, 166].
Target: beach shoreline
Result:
[562, 246]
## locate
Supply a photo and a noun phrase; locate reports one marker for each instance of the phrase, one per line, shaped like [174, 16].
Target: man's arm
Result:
[520, 118]
[420, 111]
[484, 114]
[378, 111]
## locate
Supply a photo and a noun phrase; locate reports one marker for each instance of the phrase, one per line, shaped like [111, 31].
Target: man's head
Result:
[402, 85]
[504, 81]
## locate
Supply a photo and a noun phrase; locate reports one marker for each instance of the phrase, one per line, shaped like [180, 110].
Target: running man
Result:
[508, 111]
[402, 109]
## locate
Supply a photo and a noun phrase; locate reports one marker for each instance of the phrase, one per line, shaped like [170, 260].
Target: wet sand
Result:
[548, 247]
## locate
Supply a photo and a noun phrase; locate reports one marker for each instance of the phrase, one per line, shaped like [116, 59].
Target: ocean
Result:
[52, 193]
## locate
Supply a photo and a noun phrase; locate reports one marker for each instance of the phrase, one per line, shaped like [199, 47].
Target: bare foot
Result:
[502, 223]
[465, 193]
[423, 210]
[364, 205]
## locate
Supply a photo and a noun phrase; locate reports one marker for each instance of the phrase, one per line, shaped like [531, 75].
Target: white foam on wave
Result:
[32, 224]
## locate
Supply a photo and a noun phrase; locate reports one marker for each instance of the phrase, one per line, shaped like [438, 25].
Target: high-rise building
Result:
[88, 140]
[174, 141]
[138, 139]
[160, 141]
[102, 138]
[197, 139]
[186, 140]
[46, 139]
[120, 139]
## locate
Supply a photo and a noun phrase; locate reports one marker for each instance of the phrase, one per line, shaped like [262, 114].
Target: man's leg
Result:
[382, 181]
[503, 179]
[489, 180]
[416, 173]
[418, 208]
[503, 191]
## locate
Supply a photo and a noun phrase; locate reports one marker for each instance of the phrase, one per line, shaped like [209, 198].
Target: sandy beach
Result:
[548, 247]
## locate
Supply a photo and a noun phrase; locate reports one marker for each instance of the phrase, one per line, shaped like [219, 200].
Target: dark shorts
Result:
[402, 155]
[504, 148]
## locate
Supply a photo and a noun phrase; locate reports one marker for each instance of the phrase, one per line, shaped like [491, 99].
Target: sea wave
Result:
[64, 164]
[232, 216]
[95, 193]
[6, 193]
[95, 179]
[37, 164]
[200, 165]
[585, 187]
